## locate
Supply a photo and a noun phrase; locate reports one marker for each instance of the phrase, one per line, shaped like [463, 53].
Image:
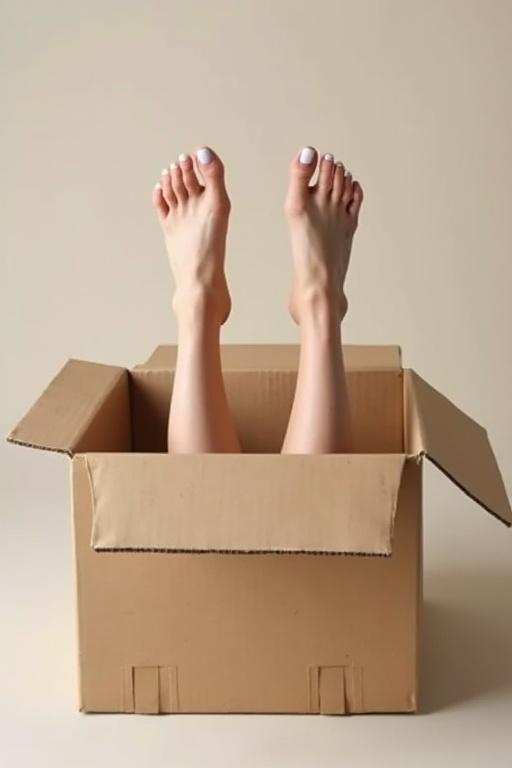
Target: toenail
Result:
[329, 157]
[339, 165]
[173, 166]
[306, 156]
[165, 172]
[204, 156]
[158, 185]
[183, 157]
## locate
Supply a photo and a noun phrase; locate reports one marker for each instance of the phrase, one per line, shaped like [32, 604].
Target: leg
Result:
[194, 219]
[322, 221]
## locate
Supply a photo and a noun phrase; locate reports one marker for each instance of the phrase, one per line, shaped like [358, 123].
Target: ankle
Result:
[321, 308]
[197, 307]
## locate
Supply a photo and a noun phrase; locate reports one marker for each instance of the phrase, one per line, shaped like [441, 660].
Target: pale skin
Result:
[193, 208]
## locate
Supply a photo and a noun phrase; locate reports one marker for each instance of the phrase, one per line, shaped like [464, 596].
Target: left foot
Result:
[194, 220]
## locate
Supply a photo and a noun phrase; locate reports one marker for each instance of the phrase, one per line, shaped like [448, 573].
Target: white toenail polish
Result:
[158, 186]
[306, 156]
[329, 157]
[182, 157]
[173, 166]
[165, 172]
[204, 156]
[339, 165]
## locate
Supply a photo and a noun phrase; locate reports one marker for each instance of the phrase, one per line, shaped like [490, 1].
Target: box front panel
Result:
[165, 632]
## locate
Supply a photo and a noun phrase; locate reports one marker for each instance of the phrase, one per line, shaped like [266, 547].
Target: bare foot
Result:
[194, 219]
[322, 220]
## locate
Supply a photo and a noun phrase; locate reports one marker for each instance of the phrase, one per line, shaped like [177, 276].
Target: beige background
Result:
[415, 97]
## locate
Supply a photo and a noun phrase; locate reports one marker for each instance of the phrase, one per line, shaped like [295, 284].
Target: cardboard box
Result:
[255, 582]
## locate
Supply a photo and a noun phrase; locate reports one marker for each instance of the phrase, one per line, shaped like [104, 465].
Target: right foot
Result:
[322, 220]
[194, 221]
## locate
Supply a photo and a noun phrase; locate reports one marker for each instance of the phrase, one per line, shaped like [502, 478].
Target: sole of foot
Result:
[322, 218]
[193, 209]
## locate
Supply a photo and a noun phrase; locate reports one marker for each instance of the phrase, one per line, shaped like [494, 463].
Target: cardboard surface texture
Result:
[253, 582]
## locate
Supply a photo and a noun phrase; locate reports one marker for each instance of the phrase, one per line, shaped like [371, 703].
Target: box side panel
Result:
[249, 633]
[261, 401]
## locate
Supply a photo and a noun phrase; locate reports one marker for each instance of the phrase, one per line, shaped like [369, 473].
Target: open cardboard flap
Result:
[455, 443]
[244, 502]
[62, 416]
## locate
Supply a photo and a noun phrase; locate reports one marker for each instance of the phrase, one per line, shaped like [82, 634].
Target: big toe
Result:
[301, 171]
[212, 171]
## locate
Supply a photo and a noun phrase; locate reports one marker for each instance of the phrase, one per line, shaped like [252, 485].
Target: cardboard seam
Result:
[421, 421]
[93, 500]
[336, 553]
[78, 591]
[407, 388]
[131, 406]
[402, 404]
[394, 505]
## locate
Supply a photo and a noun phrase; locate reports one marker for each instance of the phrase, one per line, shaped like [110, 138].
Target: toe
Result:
[338, 182]
[302, 169]
[346, 197]
[189, 175]
[325, 174]
[357, 199]
[167, 192]
[212, 171]
[178, 187]
[159, 201]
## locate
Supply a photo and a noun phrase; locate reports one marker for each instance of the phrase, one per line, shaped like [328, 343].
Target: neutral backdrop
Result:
[415, 98]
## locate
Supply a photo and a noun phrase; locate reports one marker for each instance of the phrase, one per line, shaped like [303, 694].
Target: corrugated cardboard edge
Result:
[62, 414]
[456, 444]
